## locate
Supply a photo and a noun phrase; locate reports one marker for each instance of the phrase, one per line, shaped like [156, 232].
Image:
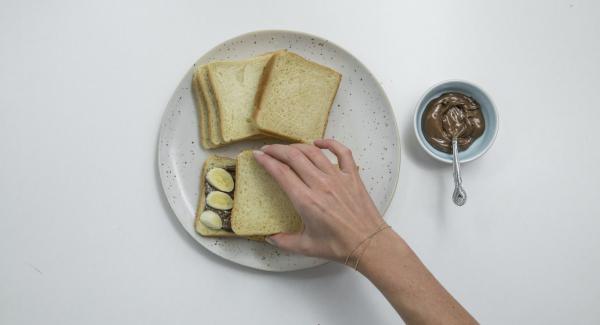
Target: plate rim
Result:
[164, 117]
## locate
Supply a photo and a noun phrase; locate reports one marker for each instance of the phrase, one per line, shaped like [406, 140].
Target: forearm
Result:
[416, 295]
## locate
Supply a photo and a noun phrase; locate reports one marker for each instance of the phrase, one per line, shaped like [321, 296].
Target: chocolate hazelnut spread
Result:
[225, 215]
[452, 115]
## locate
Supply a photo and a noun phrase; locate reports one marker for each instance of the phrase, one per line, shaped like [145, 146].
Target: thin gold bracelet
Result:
[383, 226]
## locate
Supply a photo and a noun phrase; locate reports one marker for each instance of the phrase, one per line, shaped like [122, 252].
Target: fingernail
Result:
[257, 152]
[264, 147]
[270, 241]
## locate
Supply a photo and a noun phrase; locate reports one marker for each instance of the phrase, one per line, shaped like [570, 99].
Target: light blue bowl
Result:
[483, 143]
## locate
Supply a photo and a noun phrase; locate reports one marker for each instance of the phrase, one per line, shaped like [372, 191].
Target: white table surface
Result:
[86, 236]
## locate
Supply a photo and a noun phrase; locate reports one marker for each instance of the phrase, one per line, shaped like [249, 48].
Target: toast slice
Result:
[295, 97]
[211, 161]
[235, 84]
[202, 111]
[260, 206]
[213, 117]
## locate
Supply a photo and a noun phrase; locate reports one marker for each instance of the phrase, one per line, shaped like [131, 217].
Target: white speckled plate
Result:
[361, 117]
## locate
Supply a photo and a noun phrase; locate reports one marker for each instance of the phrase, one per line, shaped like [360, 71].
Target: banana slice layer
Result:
[211, 220]
[220, 179]
[219, 200]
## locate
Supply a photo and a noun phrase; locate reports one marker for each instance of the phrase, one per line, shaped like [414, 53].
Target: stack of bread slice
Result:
[278, 94]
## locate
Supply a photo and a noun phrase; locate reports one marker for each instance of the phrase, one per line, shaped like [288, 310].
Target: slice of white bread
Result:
[213, 117]
[260, 207]
[235, 85]
[295, 97]
[202, 111]
[211, 161]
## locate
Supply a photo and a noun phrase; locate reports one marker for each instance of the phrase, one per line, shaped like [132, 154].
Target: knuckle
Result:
[282, 169]
[312, 150]
[337, 144]
[322, 181]
[270, 149]
[328, 196]
[304, 247]
[294, 154]
[328, 185]
[306, 149]
[322, 142]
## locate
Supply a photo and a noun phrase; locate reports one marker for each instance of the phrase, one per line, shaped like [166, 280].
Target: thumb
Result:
[285, 240]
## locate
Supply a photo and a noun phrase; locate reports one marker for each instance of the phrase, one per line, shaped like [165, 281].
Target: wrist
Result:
[353, 258]
[378, 255]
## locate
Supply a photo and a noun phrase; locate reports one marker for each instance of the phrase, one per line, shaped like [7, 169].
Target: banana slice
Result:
[211, 220]
[220, 179]
[219, 200]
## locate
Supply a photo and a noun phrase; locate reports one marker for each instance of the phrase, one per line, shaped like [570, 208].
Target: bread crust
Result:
[262, 84]
[206, 90]
[337, 88]
[202, 110]
[218, 101]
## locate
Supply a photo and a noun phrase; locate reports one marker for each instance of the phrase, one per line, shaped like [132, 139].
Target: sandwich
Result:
[239, 198]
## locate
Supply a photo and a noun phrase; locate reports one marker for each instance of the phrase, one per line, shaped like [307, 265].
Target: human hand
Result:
[338, 215]
[335, 207]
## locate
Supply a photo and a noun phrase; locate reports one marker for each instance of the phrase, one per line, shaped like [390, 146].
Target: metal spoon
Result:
[459, 196]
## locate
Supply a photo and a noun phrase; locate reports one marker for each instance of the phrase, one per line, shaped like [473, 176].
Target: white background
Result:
[86, 236]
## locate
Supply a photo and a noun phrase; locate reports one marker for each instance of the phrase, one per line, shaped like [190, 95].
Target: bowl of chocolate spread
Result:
[456, 109]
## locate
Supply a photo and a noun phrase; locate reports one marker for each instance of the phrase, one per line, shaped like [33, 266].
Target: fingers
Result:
[296, 159]
[291, 184]
[344, 155]
[287, 241]
[315, 155]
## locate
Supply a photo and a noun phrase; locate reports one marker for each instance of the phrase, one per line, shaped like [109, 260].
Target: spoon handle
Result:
[459, 196]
